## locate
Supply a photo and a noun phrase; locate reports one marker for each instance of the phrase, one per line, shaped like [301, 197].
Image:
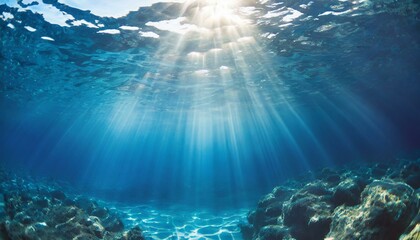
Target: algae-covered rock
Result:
[365, 202]
[272, 232]
[386, 209]
[414, 234]
[113, 224]
[58, 194]
[247, 231]
[348, 192]
[37, 213]
[135, 234]
[308, 217]
[410, 173]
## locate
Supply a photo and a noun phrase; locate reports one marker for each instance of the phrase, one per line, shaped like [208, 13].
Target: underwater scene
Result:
[210, 119]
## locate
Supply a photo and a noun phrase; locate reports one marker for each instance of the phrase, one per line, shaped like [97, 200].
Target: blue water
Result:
[204, 103]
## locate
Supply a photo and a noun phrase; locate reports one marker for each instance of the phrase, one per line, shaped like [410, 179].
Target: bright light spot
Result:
[130, 28]
[324, 28]
[174, 25]
[48, 38]
[194, 54]
[269, 35]
[246, 40]
[275, 13]
[285, 25]
[6, 15]
[30, 29]
[108, 8]
[202, 72]
[292, 16]
[248, 10]
[224, 68]
[110, 31]
[214, 50]
[83, 22]
[11, 26]
[335, 13]
[50, 13]
[149, 34]
[218, 13]
[305, 6]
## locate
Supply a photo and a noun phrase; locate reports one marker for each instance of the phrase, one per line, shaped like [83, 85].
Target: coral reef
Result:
[378, 201]
[31, 210]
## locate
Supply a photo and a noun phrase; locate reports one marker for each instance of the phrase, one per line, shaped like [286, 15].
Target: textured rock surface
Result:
[380, 201]
[387, 208]
[30, 210]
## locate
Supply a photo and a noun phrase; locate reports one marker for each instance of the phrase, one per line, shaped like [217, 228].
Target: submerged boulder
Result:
[272, 232]
[364, 202]
[58, 194]
[348, 192]
[308, 216]
[414, 234]
[135, 234]
[386, 209]
[36, 212]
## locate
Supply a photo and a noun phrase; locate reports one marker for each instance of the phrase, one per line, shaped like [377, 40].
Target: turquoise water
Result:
[205, 104]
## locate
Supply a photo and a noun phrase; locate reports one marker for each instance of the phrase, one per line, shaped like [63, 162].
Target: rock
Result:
[2, 206]
[22, 218]
[15, 230]
[70, 229]
[135, 234]
[329, 176]
[274, 210]
[3, 231]
[348, 192]
[87, 205]
[96, 227]
[410, 173]
[409, 169]
[251, 217]
[413, 180]
[272, 232]
[348, 204]
[41, 202]
[268, 210]
[386, 209]
[36, 231]
[267, 200]
[379, 170]
[84, 236]
[414, 234]
[26, 220]
[62, 214]
[247, 231]
[308, 216]
[113, 224]
[33, 211]
[318, 188]
[282, 193]
[100, 212]
[261, 219]
[57, 194]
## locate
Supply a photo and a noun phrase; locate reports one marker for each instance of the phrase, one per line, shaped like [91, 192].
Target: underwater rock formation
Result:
[372, 202]
[31, 210]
